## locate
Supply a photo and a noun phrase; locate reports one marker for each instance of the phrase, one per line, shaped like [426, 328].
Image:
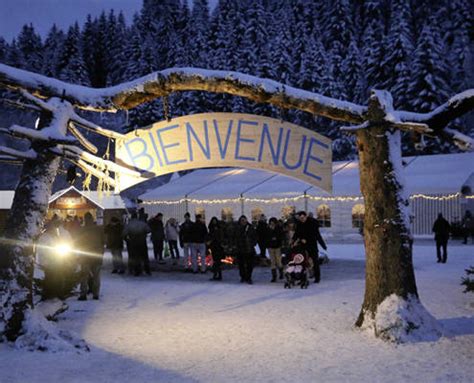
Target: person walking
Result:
[441, 228]
[308, 236]
[274, 241]
[172, 235]
[157, 236]
[215, 244]
[90, 243]
[135, 233]
[185, 238]
[262, 228]
[114, 242]
[198, 248]
[245, 241]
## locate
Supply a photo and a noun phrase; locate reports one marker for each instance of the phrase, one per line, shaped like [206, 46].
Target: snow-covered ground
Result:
[177, 327]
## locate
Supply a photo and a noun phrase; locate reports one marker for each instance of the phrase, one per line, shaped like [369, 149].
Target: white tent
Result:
[434, 183]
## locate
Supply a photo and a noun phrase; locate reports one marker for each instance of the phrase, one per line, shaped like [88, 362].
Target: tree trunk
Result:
[391, 306]
[24, 224]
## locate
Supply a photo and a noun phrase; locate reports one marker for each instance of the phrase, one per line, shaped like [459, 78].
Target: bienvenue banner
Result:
[226, 140]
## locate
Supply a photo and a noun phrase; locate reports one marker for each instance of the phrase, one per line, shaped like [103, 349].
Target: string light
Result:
[294, 199]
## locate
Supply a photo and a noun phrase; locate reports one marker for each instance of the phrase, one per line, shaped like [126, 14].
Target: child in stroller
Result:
[297, 270]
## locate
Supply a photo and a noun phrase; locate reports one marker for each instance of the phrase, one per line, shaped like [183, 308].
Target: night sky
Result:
[43, 13]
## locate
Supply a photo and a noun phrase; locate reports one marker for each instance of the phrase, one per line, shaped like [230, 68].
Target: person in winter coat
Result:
[246, 239]
[172, 235]
[262, 228]
[56, 263]
[135, 233]
[90, 243]
[441, 228]
[274, 240]
[185, 238]
[215, 244]
[468, 226]
[114, 242]
[308, 236]
[157, 236]
[198, 247]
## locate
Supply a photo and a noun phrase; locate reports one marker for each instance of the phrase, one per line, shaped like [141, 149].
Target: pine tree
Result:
[30, 47]
[71, 65]
[3, 50]
[458, 38]
[88, 46]
[373, 45]
[354, 79]
[429, 74]
[14, 56]
[399, 52]
[116, 42]
[53, 46]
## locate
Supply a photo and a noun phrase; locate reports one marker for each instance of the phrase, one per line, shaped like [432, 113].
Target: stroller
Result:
[296, 272]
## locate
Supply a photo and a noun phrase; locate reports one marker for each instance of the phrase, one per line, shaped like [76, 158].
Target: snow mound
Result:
[403, 320]
[43, 335]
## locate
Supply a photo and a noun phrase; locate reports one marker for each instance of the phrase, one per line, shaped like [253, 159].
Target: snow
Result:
[404, 320]
[177, 327]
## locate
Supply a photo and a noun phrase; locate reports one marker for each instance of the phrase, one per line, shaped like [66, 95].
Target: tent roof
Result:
[431, 174]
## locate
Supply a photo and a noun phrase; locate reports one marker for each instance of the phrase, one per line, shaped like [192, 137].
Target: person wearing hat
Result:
[308, 236]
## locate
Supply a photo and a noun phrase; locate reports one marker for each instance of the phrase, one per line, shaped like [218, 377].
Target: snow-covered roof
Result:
[6, 199]
[431, 174]
[102, 200]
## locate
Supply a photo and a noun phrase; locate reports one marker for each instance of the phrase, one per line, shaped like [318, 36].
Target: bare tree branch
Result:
[75, 152]
[37, 101]
[95, 172]
[95, 128]
[28, 155]
[84, 141]
[20, 105]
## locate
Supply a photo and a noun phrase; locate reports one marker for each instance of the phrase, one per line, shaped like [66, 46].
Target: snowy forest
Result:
[420, 50]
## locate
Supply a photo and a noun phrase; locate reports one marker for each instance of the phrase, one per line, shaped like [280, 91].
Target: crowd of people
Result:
[190, 241]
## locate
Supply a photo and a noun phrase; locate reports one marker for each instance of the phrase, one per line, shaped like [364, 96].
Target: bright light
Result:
[62, 249]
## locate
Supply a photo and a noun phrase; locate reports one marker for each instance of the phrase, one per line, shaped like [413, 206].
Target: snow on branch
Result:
[159, 84]
[437, 119]
[28, 155]
[38, 135]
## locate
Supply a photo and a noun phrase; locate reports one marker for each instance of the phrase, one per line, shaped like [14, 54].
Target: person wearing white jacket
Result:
[172, 235]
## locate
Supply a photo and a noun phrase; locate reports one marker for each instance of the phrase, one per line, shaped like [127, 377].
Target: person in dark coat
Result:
[246, 239]
[308, 236]
[468, 226]
[90, 243]
[185, 238]
[441, 228]
[274, 237]
[199, 236]
[215, 242]
[135, 235]
[262, 227]
[157, 236]
[114, 242]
